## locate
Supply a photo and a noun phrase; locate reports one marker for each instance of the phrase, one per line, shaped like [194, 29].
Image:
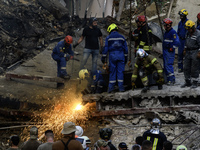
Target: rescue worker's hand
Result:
[101, 50]
[170, 50]
[103, 60]
[126, 59]
[198, 55]
[74, 45]
[133, 85]
[67, 57]
[184, 52]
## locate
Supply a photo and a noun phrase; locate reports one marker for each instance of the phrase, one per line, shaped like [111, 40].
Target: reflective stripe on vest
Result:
[155, 142]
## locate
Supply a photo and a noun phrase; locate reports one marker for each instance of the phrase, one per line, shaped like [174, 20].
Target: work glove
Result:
[101, 50]
[198, 55]
[103, 59]
[71, 57]
[133, 85]
[126, 59]
[74, 45]
[170, 50]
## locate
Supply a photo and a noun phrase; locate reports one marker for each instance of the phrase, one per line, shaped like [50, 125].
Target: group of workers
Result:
[73, 139]
[187, 39]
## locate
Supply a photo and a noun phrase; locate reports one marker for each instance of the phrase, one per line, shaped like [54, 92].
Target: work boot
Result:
[170, 83]
[186, 84]
[160, 87]
[66, 77]
[194, 85]
[145, 89]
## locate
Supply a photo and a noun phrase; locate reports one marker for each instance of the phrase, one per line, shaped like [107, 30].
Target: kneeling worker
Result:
[145, 65]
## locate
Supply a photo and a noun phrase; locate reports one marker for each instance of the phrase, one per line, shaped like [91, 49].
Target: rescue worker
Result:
[145, 65]
[105, 134]
[155, 135]
[49, 141]
[198, 21]
[101, 145]
[192, 55]
[93, 36]
[170, 42]
[96, 84]
[68, 141]
[32, 143]
[116, 45]
[14, 142]
[181, 33]
[62, 52]
[144, 34]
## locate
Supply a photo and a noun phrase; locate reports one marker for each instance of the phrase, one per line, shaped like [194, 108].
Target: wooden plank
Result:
[9, 76]
[144, 110]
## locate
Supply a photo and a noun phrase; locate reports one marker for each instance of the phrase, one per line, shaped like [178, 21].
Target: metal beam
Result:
[144, 110]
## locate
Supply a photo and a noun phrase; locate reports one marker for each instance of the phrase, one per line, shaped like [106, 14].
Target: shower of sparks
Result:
[66, 108]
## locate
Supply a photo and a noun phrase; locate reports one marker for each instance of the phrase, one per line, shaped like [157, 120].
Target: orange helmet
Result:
[198, 16]
[68, 39]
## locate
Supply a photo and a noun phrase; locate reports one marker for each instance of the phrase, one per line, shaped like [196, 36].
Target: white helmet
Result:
[141, 53]
[86, 139]
[80, 131]
[155, 126]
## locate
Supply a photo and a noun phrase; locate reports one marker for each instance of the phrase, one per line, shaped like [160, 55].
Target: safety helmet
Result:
[189, 24]
[68, 39]
[167, 21]
[141, 18]
[181, 147]
[87, 140]
[80, 131]
[105, 133]
[112, 27]
[198, 16]
[141, 53]
[34, 133]
[83, 73]
[155, 126]
[183, 12]
[91, 20]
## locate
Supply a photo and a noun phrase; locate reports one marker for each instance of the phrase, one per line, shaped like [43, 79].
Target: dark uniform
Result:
[156, 139]
[148, 64]
[191, 62]
[145, 39]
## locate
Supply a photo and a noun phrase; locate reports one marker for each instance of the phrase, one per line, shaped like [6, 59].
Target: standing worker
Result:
[116, 45]
[93, 36]
[145, 65]
[61, 54]
[181, 33]
[145, 34]
[170, 42]
[155, 135]
[198, 21]
[192, 55]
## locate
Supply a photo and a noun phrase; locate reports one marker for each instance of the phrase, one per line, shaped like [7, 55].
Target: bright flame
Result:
[79, 107]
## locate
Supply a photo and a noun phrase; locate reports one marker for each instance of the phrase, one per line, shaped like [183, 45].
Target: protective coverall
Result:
[191, 62]
[116, 45]
[145, 39]
[146, 66]
[181, 33]
[156, 139]
[198, 25]
[61, 54]
[98, 84]
[170, 42]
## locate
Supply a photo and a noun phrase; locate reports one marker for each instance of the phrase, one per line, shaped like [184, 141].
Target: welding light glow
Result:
[78, 107]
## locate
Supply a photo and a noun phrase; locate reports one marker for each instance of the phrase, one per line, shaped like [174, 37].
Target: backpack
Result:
[66, 145]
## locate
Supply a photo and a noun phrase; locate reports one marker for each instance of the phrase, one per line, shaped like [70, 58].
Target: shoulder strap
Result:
[66, 145]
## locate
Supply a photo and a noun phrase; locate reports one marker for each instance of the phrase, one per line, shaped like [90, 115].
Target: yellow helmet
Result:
[183, 12]
[112, 27]
[189, 24]
[83, 73]
[181, 147]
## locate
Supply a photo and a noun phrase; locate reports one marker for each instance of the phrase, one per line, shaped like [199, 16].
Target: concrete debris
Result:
[193, 116]
[154, 102]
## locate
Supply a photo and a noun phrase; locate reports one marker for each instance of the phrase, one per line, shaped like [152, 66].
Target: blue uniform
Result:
[171, 40]
[198, 25]
[116, 45]
[59, 54]
[98, 82]
[181, 33]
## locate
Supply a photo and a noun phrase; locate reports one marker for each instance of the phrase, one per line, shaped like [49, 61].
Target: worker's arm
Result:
[101, 41]
[79, 41]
